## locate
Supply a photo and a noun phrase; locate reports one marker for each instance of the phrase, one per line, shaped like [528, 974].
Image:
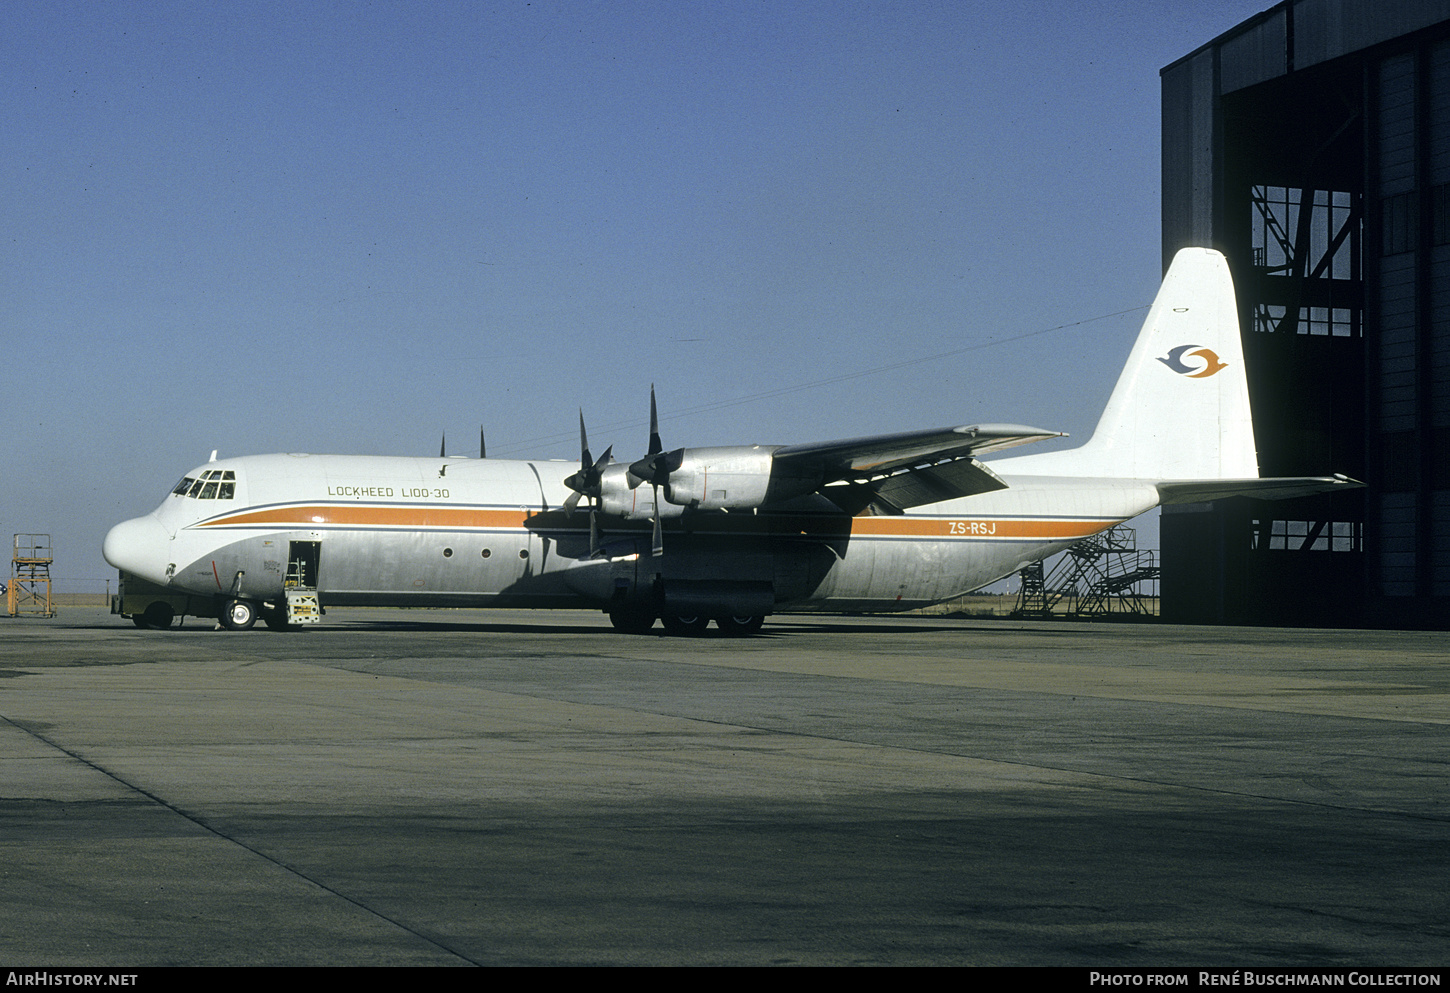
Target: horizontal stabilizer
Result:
[1272, 488]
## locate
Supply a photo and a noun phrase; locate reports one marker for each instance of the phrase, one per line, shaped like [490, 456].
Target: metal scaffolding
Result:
[29, 589]
[1099, 576]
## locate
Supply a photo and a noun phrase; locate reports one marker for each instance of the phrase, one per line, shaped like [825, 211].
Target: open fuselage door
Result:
[304, 559]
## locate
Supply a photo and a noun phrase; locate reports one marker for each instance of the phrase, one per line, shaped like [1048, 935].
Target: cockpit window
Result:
[213, 484]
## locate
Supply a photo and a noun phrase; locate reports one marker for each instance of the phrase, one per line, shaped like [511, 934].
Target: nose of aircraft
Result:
[140, 546]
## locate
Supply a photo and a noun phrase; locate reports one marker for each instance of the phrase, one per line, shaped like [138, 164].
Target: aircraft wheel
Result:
[632, 621]
[157, 615]
[688, 626]
[740, 627]
[238, 615]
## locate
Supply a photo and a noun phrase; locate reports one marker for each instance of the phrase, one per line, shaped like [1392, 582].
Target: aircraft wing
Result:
[861, 458]
[894, 472]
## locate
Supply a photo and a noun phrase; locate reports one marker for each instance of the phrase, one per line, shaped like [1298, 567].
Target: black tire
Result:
[238, 615]
[632, 621]
[685, 627]
[157, 616]
[276, 620]
[740, 627]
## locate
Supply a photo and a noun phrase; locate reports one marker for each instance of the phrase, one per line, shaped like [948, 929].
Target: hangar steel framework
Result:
[1311, 145]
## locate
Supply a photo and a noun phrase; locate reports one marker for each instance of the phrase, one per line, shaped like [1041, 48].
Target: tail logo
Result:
[1211, 364]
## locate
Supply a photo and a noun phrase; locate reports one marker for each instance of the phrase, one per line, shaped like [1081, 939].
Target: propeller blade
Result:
[593, 531]
[655, 445]
[587, 482]
[482, 451]
[584, 460]
[443, 446]
[644, 470]
[657, 539]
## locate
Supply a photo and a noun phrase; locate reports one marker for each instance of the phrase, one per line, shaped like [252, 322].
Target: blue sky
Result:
[348, 227]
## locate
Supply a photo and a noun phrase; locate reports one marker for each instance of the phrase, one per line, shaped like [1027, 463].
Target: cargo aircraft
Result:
[728, 534]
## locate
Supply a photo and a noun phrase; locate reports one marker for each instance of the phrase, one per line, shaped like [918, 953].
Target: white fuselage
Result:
[744, 531]
[488, 532]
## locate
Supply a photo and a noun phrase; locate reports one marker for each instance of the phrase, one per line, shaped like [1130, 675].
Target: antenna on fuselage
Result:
[482, 451]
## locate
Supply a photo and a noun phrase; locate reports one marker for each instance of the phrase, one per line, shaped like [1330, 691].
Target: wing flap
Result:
[898, 493]
[934, 483]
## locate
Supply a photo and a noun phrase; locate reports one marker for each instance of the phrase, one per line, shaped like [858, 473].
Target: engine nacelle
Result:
[638, 504]
[736, 478]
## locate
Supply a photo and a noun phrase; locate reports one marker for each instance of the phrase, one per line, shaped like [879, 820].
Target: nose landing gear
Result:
[238, 615]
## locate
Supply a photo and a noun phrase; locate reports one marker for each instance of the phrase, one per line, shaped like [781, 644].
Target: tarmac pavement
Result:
[475, 787]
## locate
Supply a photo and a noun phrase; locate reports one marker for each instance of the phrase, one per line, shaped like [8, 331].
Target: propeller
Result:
[586, 483]
[655, 469]
[655, 445]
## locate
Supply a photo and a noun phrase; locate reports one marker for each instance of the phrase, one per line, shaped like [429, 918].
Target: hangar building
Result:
[1311, 145]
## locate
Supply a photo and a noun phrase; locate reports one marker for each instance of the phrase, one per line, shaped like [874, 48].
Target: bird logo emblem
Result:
[1211, 364]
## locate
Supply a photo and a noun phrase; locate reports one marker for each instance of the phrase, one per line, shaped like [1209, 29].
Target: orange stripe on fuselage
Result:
[364, 516]
[946, 527]
[464, 518]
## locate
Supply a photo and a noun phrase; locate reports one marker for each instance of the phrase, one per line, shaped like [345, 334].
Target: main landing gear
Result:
[632, 620]
[685, 627]
[639, 621]
[739, 627]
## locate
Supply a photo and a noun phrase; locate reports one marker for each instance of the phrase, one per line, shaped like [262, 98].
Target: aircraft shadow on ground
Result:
[194, 625]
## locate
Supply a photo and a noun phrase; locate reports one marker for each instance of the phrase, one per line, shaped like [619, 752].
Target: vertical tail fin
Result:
[1181, 406]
